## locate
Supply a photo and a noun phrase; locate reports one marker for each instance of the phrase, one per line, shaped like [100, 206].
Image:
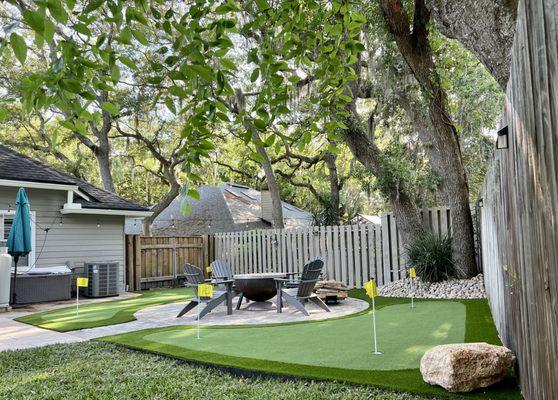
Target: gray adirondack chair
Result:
[304, 291]
[220, 269]
[194, 277]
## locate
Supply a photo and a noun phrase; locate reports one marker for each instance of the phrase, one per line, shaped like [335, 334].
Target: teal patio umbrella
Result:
[19, 239]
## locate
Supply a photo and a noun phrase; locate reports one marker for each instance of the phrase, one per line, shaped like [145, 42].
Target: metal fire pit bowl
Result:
[258, 288]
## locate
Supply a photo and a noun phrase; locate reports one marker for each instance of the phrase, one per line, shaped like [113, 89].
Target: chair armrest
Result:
[226, 282]
[282, 280]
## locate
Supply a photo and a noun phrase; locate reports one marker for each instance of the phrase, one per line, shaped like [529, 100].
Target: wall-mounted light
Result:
[502, 141]
[480, 202]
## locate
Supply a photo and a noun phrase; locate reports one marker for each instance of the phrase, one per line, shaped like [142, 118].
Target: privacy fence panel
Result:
[154, 261]
[519, 213]
[352, 253]
[349, 252]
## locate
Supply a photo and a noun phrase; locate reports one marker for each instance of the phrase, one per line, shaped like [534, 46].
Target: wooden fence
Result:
[352, 253]
[519, 213]
[154, 261]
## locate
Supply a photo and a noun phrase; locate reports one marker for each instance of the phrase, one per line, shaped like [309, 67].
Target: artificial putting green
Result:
[104, 313]
[410, 331]
[338, 349]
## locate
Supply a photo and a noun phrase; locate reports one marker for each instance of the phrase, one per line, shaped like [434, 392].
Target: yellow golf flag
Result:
[205, 290]
[370, 288]
[82, 282]
[412, 272]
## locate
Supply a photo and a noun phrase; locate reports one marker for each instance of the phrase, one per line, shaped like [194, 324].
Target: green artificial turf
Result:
[103, 371]
[404, 335]
[298, 349]
[104, 313]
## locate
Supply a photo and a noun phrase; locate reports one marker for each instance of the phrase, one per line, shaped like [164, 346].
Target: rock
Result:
[466, 366]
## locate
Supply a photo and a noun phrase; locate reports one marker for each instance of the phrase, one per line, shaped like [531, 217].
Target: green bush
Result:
[432, 258]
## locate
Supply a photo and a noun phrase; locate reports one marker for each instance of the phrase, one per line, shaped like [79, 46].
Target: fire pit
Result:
[259, 288]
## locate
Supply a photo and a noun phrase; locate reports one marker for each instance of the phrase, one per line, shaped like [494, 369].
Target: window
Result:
[6, 219]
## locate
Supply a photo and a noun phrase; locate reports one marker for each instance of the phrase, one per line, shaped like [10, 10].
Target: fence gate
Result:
[155, 261]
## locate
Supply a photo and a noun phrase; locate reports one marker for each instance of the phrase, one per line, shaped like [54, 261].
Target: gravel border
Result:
[453, 289]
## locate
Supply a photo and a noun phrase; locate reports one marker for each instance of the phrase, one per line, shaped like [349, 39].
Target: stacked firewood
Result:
[331, 290]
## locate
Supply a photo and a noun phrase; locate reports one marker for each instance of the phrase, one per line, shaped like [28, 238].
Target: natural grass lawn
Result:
[338, 349]
[105, 371]
[105, 313]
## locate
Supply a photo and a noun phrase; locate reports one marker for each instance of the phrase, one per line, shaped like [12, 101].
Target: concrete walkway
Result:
[15, 335]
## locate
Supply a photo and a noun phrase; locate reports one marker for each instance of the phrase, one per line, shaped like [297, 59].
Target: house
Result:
[72, 221]
[366, 219]
[225, 208]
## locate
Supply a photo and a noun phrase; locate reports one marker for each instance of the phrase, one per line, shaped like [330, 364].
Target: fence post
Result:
[137, 261]
[130, 262]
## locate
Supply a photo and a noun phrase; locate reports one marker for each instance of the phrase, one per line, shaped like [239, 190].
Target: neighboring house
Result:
[366, 219]
[224, 208]
[73, 222]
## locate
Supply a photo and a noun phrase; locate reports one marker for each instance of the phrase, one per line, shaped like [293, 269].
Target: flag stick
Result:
[412, 293]
[199, 308]
[374, 326]
[77, 302]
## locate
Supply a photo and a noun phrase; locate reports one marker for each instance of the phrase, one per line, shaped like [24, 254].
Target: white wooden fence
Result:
[352, 253]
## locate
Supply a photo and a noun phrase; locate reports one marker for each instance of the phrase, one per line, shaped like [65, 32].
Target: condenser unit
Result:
[103, 279]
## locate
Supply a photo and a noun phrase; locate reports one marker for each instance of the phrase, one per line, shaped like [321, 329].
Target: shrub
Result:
[432, 258]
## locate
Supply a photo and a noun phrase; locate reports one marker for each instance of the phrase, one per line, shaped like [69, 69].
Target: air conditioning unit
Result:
[103, 279]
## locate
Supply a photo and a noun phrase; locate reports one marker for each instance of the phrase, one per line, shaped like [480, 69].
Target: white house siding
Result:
[78, 239]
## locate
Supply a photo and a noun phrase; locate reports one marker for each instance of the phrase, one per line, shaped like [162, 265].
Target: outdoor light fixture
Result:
[502, 142]
[480, 202]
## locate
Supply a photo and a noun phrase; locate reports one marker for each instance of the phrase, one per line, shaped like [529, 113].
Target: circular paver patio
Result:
[166, 314]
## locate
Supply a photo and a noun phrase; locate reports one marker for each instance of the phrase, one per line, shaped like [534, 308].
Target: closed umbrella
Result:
[19, 239]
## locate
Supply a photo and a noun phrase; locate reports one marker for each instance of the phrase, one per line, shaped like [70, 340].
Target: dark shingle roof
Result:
[16, 166]
[224, 208]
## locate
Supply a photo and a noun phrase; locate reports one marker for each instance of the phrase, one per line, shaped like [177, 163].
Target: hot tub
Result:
[38, 286]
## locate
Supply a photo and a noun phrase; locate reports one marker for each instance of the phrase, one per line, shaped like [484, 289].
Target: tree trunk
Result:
[446, 157]
[277, 210]
[367, 153]
[103, 160]
[485, 27]
[334, 187]
[173, 192]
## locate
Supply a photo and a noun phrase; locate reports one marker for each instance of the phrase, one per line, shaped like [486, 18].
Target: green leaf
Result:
[3, 114]
[170, 105]
[80, 127]
[204, 72]
[93, 5]
[19, 47]
[228, 64]
[125, 36]
[140, 37]
[35, 19]
[82, 28]
[57, 11]
[262, 4]
[127, 61]
[257, 157]
[110, 108]
[254, 75]
[193, 193]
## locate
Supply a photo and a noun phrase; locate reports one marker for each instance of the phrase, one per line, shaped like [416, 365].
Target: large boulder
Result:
[465, 367]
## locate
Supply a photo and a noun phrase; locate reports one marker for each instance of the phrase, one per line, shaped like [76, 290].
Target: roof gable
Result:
[18, 167]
